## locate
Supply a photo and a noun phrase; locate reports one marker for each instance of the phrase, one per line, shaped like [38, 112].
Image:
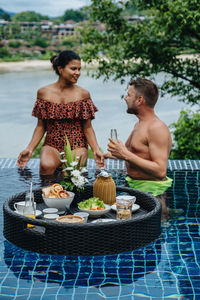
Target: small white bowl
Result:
[51, 216]
[59, 203]
[50, 210]
[83, 215]
[126, 197]
[97, 213]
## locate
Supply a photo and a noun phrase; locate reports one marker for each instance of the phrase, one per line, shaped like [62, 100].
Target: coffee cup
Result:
[19, 206]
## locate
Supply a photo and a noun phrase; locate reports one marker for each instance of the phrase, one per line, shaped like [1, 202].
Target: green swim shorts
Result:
[149, 186]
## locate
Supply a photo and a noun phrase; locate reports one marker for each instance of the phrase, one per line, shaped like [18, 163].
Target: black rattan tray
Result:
[51, 237]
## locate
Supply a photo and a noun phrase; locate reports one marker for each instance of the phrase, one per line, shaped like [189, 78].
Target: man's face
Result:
[131, 99]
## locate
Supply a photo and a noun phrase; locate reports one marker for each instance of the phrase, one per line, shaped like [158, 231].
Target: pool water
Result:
[168, 268]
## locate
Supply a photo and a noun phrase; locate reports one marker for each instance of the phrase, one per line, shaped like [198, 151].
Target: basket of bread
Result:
[56, 196]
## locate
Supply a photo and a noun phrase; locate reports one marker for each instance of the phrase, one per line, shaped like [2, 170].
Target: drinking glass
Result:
[113, 134]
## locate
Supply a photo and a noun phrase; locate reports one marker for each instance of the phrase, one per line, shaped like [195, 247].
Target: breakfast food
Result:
[56, 188]
[70, 219]
[93, 203]
[55, 191]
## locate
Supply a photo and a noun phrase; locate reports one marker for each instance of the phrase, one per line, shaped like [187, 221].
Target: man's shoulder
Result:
[158, 127]
[157, 123]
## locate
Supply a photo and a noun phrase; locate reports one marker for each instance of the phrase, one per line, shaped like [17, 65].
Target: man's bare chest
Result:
[138, 140]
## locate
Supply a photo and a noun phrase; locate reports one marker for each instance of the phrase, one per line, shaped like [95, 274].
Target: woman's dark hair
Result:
[63, 59]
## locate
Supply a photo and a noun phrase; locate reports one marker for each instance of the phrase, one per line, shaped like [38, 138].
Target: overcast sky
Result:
[51, 8]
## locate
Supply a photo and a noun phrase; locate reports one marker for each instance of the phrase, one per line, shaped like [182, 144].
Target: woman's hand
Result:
[99, 158]
[23, 158]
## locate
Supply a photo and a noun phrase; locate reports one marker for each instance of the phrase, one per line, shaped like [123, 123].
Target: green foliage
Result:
[4, 52]
[71, 41]
[144, 49]
[39, 41]
[186, 135]
[4, 15]
[29, 16]
[14, 44]
[36, 152]
[75, 15]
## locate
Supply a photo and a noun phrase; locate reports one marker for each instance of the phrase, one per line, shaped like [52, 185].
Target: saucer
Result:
[38, 213]
[61, 212]
[135, 207]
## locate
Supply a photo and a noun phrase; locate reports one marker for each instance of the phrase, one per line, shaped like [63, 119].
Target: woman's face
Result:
[71, 71]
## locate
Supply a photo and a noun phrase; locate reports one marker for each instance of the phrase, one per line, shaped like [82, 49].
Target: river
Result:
[18, 93]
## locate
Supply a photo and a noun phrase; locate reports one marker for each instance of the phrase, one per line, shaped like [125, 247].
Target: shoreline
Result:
[25, 65]
[46, 64]
[12, 66]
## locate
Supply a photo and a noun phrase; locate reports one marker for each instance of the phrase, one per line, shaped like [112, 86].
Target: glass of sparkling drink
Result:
[113, 135]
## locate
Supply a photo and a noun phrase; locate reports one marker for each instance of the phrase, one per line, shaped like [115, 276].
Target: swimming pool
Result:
[168, 268]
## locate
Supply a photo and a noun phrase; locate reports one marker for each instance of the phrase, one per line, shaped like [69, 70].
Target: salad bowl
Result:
[94, 207]
[97, 213]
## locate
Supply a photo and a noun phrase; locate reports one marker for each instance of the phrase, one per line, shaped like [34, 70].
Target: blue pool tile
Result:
[167, 268]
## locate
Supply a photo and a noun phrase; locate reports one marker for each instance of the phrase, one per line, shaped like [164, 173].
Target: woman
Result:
[63, 109]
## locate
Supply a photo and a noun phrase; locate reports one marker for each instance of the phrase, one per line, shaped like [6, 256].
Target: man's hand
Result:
[117, 149]
[99, 158]
[23, 158]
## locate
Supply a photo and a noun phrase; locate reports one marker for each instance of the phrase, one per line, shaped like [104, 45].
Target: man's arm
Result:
[159, 140]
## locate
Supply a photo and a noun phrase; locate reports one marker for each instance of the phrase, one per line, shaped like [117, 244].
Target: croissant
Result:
[63, 194]
[46, 191]
[56, 188]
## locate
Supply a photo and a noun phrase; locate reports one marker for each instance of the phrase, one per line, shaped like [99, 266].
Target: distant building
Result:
[46, 27]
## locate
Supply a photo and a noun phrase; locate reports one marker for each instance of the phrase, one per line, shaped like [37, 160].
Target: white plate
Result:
[97, 213]
[38, 213]
[135, 207]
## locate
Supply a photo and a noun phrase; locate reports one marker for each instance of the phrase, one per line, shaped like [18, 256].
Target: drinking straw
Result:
[31, 187]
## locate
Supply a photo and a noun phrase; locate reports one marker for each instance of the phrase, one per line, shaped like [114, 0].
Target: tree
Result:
[75, 15]
[186, 136]
[4, 15]
[170, 29]
[29, 16]
[41, 42]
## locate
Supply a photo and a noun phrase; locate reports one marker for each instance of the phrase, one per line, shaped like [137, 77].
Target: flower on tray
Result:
[73, 169]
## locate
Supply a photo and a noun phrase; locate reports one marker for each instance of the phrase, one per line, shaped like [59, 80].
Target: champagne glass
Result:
[113, 134]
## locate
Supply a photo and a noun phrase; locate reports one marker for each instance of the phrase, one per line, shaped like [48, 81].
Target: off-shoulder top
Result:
[65, 120]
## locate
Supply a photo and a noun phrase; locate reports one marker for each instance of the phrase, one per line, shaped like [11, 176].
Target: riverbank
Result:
[27, 64]
[33, 65]
[45, 64]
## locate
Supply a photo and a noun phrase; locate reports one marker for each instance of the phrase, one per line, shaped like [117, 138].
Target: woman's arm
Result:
[26, 154]
[92, 141]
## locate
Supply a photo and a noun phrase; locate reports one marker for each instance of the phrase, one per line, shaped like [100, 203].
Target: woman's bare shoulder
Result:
[84, 94]
[45, 91]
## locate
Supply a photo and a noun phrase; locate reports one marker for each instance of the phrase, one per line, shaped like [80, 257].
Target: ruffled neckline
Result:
[68, 103]
[81, 109]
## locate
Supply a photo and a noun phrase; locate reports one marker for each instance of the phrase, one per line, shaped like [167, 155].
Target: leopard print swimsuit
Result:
[65, 120]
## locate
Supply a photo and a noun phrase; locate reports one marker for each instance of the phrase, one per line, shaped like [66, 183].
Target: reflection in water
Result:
[99, 271]
[25, 174]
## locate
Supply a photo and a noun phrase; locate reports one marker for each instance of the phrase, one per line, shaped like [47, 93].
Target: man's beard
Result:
[132, 111]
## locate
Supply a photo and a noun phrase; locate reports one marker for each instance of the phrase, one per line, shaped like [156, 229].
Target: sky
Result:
[51, 8]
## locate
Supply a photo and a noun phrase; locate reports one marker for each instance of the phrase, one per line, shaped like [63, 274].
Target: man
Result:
[147, 149]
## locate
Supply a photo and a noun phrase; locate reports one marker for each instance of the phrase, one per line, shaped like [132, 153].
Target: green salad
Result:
[93, 203]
